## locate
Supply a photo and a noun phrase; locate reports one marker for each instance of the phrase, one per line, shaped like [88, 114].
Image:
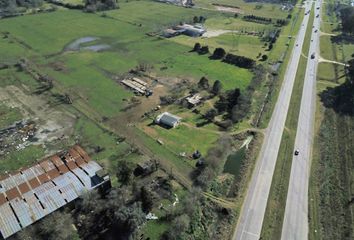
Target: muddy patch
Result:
[47, 123]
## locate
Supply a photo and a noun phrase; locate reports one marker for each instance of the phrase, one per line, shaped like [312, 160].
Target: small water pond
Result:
[234, 162]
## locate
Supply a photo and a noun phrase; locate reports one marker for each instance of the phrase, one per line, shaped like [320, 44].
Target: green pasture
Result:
[255, 8]
[183, 138]
[244, 45]
[154, 16]
[227, 22]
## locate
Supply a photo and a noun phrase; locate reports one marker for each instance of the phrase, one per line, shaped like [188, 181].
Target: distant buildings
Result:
[184, 3]
[34, 192]
[168, 120]
[186, 29]
[138, 86]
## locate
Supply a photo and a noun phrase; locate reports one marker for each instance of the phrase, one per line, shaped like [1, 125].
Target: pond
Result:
[84, 44]
[234, 162]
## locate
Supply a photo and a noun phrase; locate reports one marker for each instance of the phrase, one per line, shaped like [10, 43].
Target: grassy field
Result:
[331, 180]
[8, 115]
[183, 138]
[154, 16]
[244, 45]
[17, 159]
[273, 219]
[259, 9]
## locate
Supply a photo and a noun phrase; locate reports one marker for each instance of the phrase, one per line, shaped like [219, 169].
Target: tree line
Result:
[264, 20]
[341, 98]
[100, 5]
[13, 7]
[220, 54]
[347, 17]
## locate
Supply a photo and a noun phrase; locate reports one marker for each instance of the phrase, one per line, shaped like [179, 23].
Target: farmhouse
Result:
[168, 119]
[186, 29]
[34, 192]
[191, 30]
[193, 100]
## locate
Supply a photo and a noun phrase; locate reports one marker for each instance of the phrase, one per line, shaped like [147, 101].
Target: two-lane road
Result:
[251, 219]
[295, 225]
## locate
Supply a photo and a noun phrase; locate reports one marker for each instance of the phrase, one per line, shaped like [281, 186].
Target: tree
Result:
[195, 19]
[179, 225]
[347, 17]
[217, 86]
[202, 19]
[264, 57]
[57, 226]
[124, 171]
[146, 199]
[203, 83]
[270, 46]
[130, 217]
[210, 114]
[100, 5]
[219, 53]
[203, 50]
[196, 47]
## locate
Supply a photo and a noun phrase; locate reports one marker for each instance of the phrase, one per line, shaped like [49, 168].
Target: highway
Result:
[251, 216]
[295, 224]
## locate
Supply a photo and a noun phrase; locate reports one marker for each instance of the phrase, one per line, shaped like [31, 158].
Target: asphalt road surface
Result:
[251, 219]
[295, 224]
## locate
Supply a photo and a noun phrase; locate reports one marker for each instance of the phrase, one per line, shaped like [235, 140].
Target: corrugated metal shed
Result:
[37, 210]
[8, 222]
[34, 192]
[90, 168]
[83, 177]
[22, 211]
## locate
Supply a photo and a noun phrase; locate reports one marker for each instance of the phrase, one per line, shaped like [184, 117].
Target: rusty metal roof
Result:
[34, 192]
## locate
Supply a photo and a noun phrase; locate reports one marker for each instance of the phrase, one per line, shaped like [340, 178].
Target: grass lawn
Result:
[154, 16]
[21, 158]
[263, 9]
[183, 138]
[227, 22]
[8, 115]
[331, 72]
[198, 66]
[243, 45]
[153, 229]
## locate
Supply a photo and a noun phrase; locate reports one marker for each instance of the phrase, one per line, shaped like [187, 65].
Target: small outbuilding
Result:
[168, 120]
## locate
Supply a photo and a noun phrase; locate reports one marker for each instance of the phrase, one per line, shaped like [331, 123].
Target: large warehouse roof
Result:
[32, 193]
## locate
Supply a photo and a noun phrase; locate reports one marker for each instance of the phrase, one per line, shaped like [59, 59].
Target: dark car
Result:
[296, 152]
[312, 55]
